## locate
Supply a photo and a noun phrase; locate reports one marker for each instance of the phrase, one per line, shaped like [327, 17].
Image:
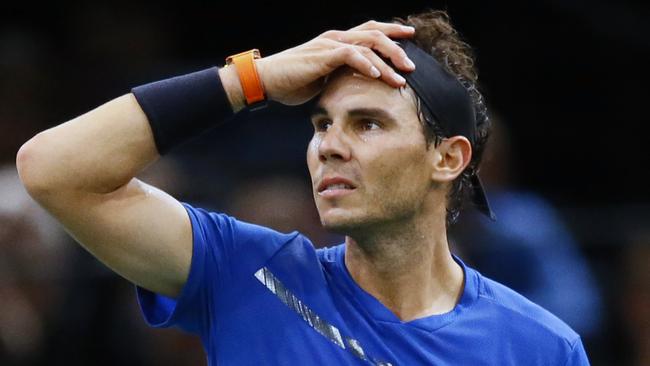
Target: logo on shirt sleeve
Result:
[320, 325]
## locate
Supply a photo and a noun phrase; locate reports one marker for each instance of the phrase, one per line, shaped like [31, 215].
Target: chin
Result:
[335, 221]
[344, 223]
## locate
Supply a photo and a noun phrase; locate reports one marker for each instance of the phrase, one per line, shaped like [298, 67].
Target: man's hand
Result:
[296, 75]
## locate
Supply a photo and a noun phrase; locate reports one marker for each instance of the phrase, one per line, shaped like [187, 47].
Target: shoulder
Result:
[210, 220]
[224, 241]
[528, 333]
[216, 226]
[520, 315]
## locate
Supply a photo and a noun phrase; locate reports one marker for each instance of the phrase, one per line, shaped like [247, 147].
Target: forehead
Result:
[347, 89]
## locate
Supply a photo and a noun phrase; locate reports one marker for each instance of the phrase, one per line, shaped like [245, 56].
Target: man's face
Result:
[368, 158]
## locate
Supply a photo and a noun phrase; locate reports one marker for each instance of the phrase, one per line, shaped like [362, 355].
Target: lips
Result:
[334, 184]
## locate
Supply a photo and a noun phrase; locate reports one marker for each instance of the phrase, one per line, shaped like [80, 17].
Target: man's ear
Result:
[450, 158]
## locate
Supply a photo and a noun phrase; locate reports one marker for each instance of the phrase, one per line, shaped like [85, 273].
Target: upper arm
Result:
[139, 231]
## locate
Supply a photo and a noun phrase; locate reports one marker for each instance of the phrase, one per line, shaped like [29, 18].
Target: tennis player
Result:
[399, 127]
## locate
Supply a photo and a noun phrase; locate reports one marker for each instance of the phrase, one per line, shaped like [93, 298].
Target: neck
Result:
[408, 267]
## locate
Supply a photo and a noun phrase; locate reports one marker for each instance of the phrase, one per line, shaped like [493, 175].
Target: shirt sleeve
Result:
[224, 249]
[578, 355]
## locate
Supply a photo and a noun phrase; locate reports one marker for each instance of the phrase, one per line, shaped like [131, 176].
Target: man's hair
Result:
[435, 35]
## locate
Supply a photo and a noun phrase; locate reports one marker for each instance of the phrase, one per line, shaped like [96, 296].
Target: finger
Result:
[392, 30]
[350, 55]
[367, 62]
[388, 75]
[376, 40]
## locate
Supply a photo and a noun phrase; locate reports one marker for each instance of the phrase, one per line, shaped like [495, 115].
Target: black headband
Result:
[449, 103]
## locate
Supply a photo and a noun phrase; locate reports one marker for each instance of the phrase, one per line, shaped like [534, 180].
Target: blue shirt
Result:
[527, 249]
[255, 296]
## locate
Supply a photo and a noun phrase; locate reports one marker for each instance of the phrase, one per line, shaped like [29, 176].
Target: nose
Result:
[334, 145]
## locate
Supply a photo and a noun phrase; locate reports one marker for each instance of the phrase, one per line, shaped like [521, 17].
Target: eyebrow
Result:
[357, 112]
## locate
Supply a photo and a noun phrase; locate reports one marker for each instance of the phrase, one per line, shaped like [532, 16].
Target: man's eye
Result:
[322, 125]
[370, 124]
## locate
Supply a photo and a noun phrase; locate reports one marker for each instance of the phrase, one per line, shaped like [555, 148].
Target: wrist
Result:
[233, 88]
[250, 82]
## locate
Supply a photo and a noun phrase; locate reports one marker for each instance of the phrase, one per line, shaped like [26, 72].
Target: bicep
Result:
[139, 231]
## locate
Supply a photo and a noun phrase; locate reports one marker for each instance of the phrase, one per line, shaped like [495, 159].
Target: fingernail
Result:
[409, 63]
[399, 78]
[375, 72]
[407, 28]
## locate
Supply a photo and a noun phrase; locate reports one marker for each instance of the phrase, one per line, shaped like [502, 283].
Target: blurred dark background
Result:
[567, 83]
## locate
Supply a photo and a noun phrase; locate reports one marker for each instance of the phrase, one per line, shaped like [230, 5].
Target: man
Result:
[392, 294]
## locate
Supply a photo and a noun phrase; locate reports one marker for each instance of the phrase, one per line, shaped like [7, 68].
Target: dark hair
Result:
[435, 35]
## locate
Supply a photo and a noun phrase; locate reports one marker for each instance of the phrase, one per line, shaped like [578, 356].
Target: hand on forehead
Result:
[346, 88]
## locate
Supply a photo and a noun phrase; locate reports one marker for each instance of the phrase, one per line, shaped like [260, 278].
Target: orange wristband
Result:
[248, 77]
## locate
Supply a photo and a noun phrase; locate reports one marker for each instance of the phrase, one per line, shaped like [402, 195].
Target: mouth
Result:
[335, 187]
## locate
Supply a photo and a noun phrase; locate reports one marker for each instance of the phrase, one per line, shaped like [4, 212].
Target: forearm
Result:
[96, 152]
[105, 148]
